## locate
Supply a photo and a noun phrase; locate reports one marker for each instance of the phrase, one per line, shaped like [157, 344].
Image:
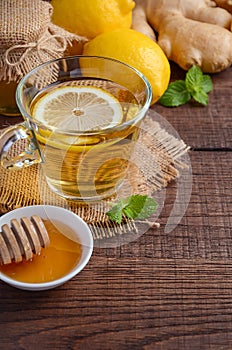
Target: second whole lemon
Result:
[90, 18]
[136, 50]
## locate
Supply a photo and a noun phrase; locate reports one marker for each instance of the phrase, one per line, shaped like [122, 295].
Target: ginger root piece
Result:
[198, 10]
[190, 32]
[188, 45]
[139, 23]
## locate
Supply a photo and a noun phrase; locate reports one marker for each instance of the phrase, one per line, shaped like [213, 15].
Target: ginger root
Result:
[189, 32]
[139, 22]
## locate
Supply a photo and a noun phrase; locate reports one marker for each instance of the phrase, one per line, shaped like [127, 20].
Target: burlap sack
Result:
[28, 37]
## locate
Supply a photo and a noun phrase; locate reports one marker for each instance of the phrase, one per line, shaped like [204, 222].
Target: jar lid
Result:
[28, 38]
[23, 21]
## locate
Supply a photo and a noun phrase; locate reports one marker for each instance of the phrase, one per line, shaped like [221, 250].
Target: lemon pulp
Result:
[77, 109]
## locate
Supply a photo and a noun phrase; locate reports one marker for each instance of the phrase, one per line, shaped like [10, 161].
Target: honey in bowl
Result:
[55, 261]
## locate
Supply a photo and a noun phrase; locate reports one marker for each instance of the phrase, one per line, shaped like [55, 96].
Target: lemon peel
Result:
[136, 50]
[92, 17]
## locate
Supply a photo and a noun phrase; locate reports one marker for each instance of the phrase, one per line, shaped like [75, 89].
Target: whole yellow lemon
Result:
[90, 18]
[138, 51]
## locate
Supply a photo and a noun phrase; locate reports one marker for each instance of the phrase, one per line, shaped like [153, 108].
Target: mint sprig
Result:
[196, 85]
[175, 95]
[133, 207]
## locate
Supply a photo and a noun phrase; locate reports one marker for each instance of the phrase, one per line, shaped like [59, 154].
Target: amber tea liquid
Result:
[89, 165]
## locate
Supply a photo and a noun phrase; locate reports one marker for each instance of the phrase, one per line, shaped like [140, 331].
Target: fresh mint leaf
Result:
[150, 206]
[115, 213]
[207, 84]
[193, 79]
[196, 85]
[175, 95]
[201, 97]
[134, 207]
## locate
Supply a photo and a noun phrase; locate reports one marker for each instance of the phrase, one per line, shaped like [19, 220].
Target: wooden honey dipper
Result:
[24, 238]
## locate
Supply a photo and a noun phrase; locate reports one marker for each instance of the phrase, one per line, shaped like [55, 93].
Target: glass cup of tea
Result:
[82, 117]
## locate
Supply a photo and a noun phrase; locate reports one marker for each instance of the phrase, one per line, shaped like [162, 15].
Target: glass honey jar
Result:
[8, 104]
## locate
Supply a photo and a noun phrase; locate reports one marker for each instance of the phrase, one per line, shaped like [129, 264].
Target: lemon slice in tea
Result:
[78, 108]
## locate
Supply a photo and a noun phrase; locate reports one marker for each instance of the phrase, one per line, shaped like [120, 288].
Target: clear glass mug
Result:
[87, 164]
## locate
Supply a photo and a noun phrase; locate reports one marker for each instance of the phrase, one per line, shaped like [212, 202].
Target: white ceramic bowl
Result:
[76, 224]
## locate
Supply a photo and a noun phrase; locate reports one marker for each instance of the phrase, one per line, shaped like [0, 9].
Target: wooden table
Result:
[163, 291]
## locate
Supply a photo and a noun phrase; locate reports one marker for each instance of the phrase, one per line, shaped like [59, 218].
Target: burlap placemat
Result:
[157, 160]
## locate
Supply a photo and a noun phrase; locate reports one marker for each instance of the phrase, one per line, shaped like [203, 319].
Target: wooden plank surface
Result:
[157, 304]
[163, 291]
[207, 127]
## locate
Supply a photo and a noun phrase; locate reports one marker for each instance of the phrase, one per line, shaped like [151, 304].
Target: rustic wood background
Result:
[164, 291]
